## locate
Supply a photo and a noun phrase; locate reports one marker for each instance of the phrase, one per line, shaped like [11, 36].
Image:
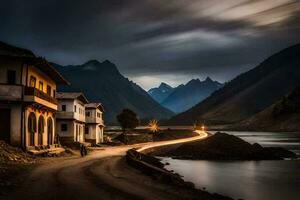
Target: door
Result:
[5, 125]
[50, 131]
[41, 130]
[77, 133]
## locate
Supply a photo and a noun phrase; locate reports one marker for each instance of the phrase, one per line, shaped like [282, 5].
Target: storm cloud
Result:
[154, 40]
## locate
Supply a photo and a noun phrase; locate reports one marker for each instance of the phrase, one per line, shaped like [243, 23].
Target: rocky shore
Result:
[152, 166]
[222, 146]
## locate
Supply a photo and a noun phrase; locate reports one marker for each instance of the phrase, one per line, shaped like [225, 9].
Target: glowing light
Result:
[203, 128]
[153, 125]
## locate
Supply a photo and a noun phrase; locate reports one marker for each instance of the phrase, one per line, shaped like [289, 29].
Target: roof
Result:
[72, 95]
[23, 55]
[95, 105]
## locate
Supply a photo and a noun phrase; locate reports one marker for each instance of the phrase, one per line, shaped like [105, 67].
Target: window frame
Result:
[32, 80]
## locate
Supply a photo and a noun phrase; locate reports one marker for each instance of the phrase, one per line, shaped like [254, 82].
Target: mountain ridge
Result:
[161, 92]
[102, 81]
[249, 92]
[187, 95]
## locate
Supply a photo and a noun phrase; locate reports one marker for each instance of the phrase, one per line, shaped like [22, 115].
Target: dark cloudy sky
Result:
[154, 40]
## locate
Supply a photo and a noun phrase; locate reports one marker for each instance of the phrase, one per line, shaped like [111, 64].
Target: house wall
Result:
[79, 132]
[70, 109]
[70, 128]
[15, 124]
[95, 133]
[80, 111]
[92, 132]
[40, 76]
[6, 65]
[93, 118]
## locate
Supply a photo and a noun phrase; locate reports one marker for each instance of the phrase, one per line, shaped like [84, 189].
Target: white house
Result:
[70, 117]
[94, 123]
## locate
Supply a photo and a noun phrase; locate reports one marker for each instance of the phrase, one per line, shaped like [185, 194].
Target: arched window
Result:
[31, 128]
[50, 130]
[41, 125]
[31, 123]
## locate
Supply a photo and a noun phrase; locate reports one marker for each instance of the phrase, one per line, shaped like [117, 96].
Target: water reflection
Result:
[257, 180]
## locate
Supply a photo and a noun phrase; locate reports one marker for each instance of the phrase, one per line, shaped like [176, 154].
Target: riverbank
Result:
[152, 166]
[143, 135]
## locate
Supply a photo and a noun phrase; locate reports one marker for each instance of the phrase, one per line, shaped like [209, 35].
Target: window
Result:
[41, 86]
[75, 108]
[64, 127]
[49, 90]
[32, 81]
[63, 107]
[98, 115]
[86, 130]
[87, 114]
[11, 77]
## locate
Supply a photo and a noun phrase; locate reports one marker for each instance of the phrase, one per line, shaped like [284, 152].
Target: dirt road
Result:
[103, 174]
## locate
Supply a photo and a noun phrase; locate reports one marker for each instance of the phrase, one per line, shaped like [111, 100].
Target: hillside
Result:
[283, 115]
[186, 96]
[249, 93]
[103, 82]
[160, 93]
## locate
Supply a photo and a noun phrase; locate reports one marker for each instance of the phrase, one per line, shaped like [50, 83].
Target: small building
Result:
[27, 98]
[70, 117]
[94, 123]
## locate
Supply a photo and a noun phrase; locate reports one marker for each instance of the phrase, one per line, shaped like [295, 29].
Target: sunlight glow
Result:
[153, 125]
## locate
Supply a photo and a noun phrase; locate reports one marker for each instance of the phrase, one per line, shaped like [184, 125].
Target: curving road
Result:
[103, 174]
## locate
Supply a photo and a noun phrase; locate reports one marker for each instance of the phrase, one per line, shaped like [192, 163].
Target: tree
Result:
[128, 120]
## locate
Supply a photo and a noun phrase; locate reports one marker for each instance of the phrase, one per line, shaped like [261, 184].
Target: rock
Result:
[222, 146]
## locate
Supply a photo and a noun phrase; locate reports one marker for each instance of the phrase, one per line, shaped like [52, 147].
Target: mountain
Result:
[249, 93]
[160, 93]
[186, 96]
[103, 82]
[284, 115]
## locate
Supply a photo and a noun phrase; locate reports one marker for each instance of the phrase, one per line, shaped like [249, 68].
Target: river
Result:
[250, 180]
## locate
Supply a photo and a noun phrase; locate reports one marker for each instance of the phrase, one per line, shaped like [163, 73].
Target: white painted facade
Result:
[70, 117]
[94, 123]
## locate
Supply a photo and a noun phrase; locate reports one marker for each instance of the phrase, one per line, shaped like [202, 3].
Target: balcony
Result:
[94, 120]
[70, 115]
[32, 94]
[10, 92]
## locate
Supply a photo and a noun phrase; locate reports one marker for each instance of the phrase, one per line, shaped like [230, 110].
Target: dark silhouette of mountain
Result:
[249, 93]
[186, 96]
[160, 93]
[284, 115]
[103, 82]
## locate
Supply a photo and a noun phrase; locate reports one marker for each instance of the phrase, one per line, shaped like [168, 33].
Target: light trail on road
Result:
[202, 135]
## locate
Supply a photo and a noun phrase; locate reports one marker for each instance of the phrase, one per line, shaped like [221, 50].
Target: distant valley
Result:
[184, 96]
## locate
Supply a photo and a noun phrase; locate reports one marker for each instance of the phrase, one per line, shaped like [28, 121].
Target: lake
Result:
[253, 180]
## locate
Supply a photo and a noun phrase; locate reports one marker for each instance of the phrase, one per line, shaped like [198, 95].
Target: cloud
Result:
[155, 38]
